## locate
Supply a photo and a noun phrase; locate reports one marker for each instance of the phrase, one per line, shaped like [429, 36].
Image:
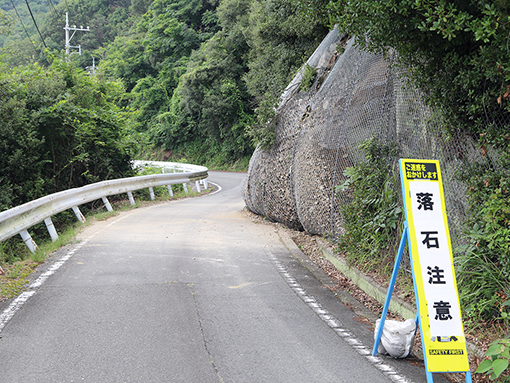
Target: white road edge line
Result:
[15, 305]
[215, 192]
[335, 325]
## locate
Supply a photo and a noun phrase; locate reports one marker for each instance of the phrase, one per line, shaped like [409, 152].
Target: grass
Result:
[15, 278]
[17, 272]
[18, 263]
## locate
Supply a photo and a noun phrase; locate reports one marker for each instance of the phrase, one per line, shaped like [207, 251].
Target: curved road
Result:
[186, 291]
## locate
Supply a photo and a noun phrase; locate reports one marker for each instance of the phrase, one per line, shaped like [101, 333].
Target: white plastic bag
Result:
[397, 337]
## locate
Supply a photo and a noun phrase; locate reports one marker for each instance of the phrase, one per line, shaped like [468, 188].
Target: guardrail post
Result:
[131, 198]
[107, 204]
[27, 238]
[51, 229]
[206, 186]
[78, 214]
[198, 186]
[151, 192]
[21, 218]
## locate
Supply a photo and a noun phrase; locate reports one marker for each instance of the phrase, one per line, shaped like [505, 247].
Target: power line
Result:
[23, 25]
[53, 11]
[35, 23]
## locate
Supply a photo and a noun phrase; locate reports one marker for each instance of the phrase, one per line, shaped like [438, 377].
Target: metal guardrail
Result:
[19, 219]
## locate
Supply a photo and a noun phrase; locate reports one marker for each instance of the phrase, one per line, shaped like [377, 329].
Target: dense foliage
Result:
[198, 71]
[484, 261]
[60, 129]
[371, 208]
[456, 52]
[193, 72]
[17, 10]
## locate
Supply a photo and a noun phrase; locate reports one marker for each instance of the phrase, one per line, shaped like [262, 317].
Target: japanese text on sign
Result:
[433, 254]
[440, 316]
[425, 171]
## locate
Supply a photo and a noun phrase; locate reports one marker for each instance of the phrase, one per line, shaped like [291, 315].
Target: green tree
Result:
[456, 51]
[151, 61]
[61, 129]
[124, 59]
[281, 38]
[6, 23]
[213, 96]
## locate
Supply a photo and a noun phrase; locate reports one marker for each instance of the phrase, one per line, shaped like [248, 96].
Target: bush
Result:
[60, 129]
[371, 209]
[499, 354]
[309, 75]
[484, 260]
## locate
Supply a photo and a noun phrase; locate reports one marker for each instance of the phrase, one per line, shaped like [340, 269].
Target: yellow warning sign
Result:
[432, 261]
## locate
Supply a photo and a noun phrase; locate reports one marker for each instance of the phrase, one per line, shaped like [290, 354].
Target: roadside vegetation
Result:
[197, 81]
[18, 262]
[177, 80]
[456, 53]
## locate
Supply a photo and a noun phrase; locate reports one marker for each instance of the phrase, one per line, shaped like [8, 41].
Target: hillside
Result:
[423, 82]
[202, 81]
[185, 79]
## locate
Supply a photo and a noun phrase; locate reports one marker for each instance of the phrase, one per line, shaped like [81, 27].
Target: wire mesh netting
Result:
[357, 97]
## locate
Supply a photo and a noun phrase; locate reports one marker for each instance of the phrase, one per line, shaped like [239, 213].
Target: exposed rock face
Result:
[356, 96]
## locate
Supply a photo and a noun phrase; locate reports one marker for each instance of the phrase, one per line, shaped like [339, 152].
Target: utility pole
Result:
[92, 69]
[68, 38]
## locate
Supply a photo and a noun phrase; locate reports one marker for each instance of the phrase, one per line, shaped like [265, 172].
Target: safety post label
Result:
[432, 260]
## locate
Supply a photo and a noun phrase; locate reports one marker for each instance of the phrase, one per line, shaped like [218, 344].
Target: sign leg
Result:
[398, 259]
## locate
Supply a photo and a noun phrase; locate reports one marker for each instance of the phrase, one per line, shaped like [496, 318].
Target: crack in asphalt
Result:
[204, 339]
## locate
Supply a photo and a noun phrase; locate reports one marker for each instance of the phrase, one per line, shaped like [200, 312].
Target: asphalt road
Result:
[186, 291]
